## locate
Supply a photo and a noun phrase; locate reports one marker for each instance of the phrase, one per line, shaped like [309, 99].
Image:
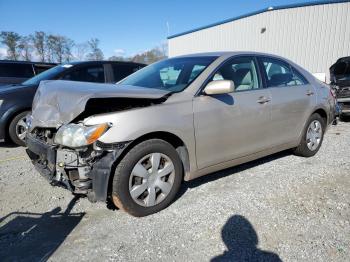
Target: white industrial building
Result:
[314, 35]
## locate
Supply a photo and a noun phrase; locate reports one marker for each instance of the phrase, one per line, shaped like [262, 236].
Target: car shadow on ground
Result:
[241, 241]
[230, 171]
[35, 237]
[5, 144]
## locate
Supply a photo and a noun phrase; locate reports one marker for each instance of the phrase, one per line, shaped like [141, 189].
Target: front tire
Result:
[18, 128]
[148, 178]
[312, 137]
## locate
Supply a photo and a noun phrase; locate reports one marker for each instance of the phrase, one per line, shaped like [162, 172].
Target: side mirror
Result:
[219, 87]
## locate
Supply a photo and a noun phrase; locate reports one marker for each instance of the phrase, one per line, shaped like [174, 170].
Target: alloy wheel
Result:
[21, 128]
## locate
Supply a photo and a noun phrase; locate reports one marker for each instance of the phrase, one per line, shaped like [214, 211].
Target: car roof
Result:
[102, 62]
[71, 63]
[25, 62]
[229, 53]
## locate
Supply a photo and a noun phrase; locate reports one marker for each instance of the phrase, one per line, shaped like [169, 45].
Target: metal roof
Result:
[268, 9]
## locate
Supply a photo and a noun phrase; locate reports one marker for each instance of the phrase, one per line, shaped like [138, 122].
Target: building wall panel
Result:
[312, 36]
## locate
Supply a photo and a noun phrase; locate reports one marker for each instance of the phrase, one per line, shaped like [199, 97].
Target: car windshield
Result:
[173, 74]
[46, 75]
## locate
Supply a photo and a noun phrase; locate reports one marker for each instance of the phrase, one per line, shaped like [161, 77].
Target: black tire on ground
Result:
[12, 128]
[120, 192]
[302, 149]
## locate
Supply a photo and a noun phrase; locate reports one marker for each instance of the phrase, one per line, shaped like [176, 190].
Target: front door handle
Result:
[263, 100]
[309, 93]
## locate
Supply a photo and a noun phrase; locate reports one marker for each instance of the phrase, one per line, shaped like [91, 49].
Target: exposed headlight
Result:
[74, 135]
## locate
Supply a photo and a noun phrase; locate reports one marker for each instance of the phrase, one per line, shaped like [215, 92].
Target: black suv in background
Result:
[15, 72]
[340, 83]
[16, 100]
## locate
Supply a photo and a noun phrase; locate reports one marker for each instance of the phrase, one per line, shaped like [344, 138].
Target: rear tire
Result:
[148, 178]
[312, 136]
[17, 128]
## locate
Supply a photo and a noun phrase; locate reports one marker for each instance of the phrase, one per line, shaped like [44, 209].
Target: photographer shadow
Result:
[241, 241]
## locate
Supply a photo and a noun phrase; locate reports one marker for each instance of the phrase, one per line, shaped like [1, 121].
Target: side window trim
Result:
[262, 71]
[108, 73]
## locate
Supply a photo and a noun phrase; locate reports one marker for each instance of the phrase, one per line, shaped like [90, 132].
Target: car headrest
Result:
[243, 76]
[280, 79]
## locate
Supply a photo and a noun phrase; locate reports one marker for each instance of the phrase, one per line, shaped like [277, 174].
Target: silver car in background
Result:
[135, 142]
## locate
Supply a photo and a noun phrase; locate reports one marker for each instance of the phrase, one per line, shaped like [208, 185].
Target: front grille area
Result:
[44, 134]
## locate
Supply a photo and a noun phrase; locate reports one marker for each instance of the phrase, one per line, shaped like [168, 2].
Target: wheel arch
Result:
[322, 112]
[171, 138]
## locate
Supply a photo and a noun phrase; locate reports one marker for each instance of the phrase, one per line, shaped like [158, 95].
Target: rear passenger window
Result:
[87, 74]
[121, 71]
[279, 73]
[16, 70]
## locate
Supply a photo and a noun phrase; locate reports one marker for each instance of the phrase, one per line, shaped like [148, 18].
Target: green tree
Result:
[11, 41]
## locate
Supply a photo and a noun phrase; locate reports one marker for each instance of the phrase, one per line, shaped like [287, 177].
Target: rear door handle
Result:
[263, 100]
[309, 93]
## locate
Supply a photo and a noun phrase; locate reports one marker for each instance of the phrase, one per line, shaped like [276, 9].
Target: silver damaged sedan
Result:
[133, 143]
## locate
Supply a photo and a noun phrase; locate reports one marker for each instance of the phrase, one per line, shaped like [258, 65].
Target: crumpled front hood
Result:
[58, 102]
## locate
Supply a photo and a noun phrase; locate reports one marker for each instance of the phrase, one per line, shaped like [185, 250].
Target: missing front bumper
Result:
[86, 173]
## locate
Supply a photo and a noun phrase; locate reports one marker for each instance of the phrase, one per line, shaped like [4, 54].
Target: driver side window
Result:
[242, 71]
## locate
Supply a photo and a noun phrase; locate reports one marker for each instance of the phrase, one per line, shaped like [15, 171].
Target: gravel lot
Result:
[281, 207]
